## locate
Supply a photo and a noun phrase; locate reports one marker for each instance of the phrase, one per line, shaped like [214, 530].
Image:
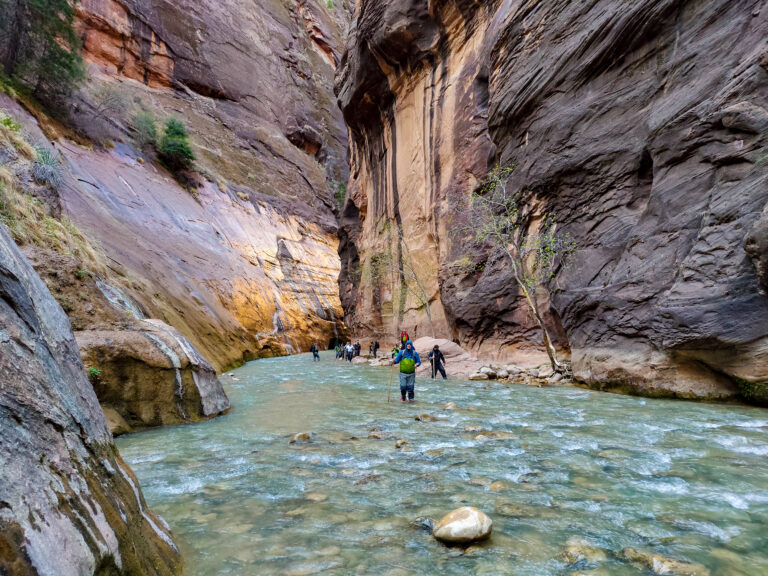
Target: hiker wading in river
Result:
[409, 360]
[437, 360]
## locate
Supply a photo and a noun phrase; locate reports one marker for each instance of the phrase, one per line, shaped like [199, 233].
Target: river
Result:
[685, 480]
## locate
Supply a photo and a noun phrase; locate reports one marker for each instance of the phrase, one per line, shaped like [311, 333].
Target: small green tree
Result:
[145, 129]
[175, 150]
[534, 252]
[42, 49]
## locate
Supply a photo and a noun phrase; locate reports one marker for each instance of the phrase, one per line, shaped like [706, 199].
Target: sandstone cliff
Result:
[639, 124]
[246, 265]
[69, 505]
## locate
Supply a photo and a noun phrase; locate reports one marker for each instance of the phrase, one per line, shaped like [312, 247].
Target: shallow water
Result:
[688, 481]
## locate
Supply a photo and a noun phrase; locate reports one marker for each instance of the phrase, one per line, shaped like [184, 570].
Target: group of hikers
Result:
[348, 351]
[403, 354]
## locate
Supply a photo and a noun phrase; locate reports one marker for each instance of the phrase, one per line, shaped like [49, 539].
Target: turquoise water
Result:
[684, 480]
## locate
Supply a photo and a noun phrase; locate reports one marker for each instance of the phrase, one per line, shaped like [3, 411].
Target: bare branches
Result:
[534, 250]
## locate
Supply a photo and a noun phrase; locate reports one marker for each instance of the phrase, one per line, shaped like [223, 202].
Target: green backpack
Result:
[407, 365]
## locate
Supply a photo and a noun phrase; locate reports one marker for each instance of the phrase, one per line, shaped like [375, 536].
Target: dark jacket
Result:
[437, 357]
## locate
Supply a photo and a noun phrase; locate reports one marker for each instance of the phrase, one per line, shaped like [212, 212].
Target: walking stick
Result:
[389, 388]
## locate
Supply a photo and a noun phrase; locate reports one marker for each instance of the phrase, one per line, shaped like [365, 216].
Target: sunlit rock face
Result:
[250, 267]
[69, 505]
[639, 125]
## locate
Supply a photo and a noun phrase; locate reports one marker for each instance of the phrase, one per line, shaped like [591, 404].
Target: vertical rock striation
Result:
[69, 505]
[639, 125]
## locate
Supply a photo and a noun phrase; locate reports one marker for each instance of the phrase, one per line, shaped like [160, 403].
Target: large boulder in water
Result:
[463, 526]
[151, 375]
[69, 505]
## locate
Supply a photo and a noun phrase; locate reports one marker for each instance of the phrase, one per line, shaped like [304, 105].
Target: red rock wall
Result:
[250, 267]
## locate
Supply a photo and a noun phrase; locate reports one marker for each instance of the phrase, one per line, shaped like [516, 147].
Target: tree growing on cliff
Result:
[40, 48]
[532, 247]
[174, 149]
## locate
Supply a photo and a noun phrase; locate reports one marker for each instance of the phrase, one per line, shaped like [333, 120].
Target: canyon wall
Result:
[246, 264]
[69, 505]
[641, 125]
[249, 267]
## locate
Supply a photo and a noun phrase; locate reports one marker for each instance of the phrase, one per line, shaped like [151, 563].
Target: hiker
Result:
[437, 359]
[315, 353]
[375, 348]
[350, 352]
[409, 360]
[404, 338]
[339, 353]
[370, 350]
[395, 350]
[357, 348]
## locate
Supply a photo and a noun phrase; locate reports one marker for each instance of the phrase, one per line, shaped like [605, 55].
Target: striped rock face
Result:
[463, 526]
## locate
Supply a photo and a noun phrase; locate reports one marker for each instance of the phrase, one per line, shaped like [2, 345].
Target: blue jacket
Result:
[405, 353]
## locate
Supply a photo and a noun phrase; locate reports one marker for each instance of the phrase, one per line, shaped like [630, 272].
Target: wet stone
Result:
[463, 526]
[425, 418]
[662, 565]
[301, 438]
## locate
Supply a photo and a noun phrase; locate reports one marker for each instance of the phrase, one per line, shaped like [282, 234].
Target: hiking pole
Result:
[389, 388]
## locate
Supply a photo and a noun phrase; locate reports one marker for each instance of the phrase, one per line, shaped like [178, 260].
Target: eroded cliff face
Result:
[69, 505]
[638, 124]
[248, 265]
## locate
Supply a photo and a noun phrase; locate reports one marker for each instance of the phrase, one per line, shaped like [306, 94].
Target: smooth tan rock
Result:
[578, 549]
[497, 486]
[116, 423]
[478, 376]
[463, 526]
[301, 438]
[375, 435]
[480, 481]
[663, 565]
[401, 444]
[450, 406]
[316, 497]
[425, 418]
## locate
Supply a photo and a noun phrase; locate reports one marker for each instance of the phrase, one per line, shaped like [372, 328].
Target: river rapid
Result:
[685, 480]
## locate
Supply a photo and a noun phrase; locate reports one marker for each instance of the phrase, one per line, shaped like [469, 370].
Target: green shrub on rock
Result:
[175, 150]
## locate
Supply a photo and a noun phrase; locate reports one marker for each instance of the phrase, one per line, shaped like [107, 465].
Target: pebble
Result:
[450, 406]
[401, 443]
[316, 497]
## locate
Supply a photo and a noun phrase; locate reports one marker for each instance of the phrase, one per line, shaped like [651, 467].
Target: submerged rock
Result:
[422, 523]
[68, 502]
[662, 565]
[401, 444]
[425, 418]
[463, 526]
[301, 438]
[450, 406]
[578, 549]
